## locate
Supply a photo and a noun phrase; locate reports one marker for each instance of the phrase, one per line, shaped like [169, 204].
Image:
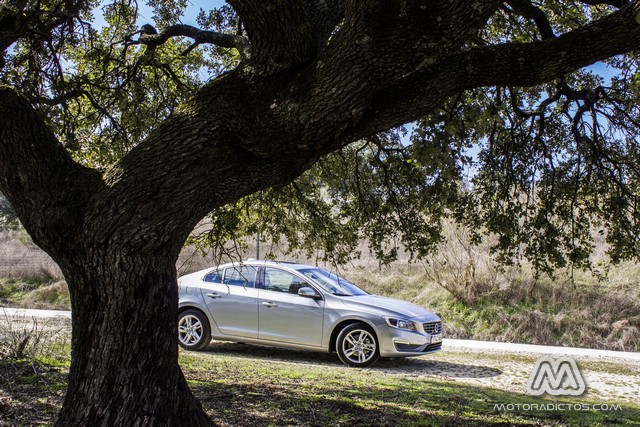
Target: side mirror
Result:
[307, 292]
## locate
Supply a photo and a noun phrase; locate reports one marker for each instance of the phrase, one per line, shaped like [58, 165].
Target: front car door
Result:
[283, 315]
[232, 299]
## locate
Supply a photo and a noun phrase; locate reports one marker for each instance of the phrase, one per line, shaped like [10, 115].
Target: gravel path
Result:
[610, 380]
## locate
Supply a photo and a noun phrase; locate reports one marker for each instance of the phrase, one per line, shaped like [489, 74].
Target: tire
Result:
[194, 332]
[357, 345]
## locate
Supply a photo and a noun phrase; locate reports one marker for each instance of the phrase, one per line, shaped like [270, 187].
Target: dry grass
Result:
[43, 292]
[19, 257]
[54, 296]
[23, 337]
[476, 297]
[514, 306]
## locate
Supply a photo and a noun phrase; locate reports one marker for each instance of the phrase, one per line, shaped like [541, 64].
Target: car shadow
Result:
[414, 366]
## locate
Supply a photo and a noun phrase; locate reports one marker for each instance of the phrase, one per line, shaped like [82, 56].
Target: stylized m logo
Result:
[555, 377]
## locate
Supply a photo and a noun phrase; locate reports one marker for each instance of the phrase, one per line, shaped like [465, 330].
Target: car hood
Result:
[388, 307]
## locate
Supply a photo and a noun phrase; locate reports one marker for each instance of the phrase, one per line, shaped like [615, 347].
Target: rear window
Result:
[240, 276]
[213, 276]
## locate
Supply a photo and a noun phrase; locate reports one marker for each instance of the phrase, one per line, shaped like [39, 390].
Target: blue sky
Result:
[146, 13]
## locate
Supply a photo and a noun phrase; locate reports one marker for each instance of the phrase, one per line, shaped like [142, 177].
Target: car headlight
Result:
[400, 323]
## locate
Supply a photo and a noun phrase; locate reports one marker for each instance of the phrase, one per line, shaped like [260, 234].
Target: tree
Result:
[111, 148]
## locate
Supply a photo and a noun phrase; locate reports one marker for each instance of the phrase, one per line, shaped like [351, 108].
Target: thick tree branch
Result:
[528, 64]
[197, 160]
[151, 38]
[60, 99]
[12, 25]
[509, 64]
[526, 9]
[45, 186]
[281, 35]
[325, 16]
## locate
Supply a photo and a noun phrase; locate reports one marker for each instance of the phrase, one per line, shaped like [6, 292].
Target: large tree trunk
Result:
[124, 368]
[120, 267]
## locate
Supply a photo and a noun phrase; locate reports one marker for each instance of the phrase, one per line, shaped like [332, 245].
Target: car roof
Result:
[268, 263]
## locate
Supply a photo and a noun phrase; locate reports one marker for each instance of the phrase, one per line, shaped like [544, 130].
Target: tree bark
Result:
[124, 369]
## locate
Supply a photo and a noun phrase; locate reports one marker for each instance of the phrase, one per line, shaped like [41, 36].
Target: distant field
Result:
[476, 298]
[21, 258]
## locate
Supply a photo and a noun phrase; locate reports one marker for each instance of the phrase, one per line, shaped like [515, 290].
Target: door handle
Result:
[214, 295]
[270, 304]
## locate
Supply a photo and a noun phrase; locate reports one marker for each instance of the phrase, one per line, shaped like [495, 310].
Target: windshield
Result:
[332, 283]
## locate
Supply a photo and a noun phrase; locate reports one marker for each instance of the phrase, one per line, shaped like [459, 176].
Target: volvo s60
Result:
[300, 306]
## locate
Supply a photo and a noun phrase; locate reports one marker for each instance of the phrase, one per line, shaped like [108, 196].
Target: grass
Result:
[31, 392]
[35, 292]
[34, 360]
[34, 339]
[242, 385]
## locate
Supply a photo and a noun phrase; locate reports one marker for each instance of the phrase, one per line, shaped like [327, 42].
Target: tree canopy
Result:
[123, 124]
[551, 164]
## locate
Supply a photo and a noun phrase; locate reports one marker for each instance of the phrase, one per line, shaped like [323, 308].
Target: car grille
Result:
[433, 347]
[419, 348]
[407, 347]
[432, 327]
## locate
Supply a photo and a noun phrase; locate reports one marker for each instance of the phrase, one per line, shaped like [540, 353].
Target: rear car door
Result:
[232, 300]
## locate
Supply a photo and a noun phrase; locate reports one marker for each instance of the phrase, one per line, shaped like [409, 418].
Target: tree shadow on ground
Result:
[31, 393]
[263, 403]
[268, 400]
[399, 366]
[258, 392]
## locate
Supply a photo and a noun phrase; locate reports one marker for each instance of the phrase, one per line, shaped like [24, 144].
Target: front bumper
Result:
[402, 343]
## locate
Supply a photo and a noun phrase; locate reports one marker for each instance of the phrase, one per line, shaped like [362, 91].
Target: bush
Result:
[30, 338]
[53, 296]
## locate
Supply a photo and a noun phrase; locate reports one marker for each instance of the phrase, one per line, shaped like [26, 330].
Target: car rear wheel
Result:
[357, 345]
[193, 330]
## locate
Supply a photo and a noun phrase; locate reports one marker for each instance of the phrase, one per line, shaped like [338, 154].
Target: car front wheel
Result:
[193, 330]
[357, 345]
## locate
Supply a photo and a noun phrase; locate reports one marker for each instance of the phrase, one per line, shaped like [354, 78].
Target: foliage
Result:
[101, 91]
[545, 168]
[557, 168]
[377, 190]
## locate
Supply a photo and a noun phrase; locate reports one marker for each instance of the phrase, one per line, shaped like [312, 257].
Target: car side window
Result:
[213, 276]
[240, 276]
[282, 281]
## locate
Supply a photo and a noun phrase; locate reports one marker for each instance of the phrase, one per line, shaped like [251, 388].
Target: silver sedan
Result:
[304, 307]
